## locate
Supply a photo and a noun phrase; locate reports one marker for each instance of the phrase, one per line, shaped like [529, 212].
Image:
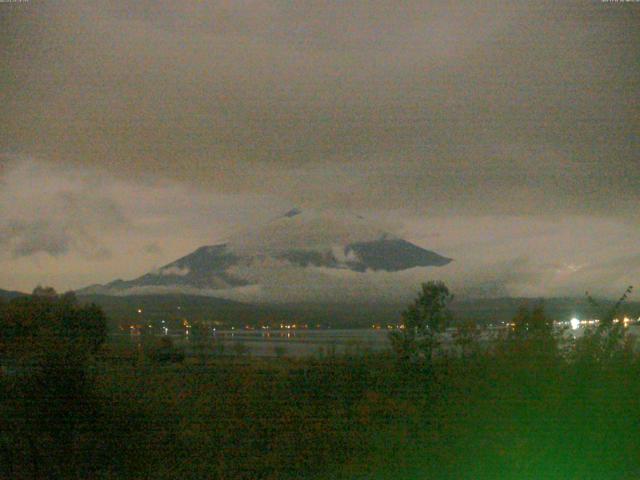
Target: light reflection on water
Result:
[295, 343]
[267, 343]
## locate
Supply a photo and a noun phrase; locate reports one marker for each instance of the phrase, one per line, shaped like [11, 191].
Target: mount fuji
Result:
[293, 252]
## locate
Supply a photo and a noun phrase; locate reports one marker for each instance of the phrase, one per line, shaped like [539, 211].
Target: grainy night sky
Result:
[502, 134]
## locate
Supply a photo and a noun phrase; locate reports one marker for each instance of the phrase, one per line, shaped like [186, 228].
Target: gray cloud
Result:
[51, 211]
[534, 256]
[465, 107]
[34, 237]
[91, 226]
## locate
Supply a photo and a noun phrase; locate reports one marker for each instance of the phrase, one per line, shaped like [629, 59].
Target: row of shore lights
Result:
[577, 323]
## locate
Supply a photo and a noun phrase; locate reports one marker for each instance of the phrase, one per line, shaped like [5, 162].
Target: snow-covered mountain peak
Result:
[306, 229]
[299, 246]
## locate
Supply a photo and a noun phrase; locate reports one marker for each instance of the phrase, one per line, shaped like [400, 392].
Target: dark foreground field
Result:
[75, 405]
[367, 417]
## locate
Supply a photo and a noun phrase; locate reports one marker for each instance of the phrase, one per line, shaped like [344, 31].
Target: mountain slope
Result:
[281, 250]
[8, 294]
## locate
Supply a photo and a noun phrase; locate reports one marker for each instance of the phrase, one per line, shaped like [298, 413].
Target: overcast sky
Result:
[499, 133]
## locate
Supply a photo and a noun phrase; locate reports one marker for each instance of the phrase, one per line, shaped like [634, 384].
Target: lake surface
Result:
[304, 342]
[268, 343]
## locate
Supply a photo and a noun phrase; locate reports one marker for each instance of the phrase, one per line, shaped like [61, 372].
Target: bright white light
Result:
[575, 323]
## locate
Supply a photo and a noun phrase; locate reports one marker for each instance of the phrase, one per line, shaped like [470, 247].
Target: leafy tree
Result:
[607, 317]
[41, 291]
[46, 341]
[45, 326]
[608, 339]
[422, 321]
[532, 324]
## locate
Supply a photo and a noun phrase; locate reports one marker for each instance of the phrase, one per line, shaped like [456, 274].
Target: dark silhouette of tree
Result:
[466, 337]
[608, 339]
[607, 316]
[41, 291]
[532, 333]
[422, 321]
[532, 324]
[46, 341]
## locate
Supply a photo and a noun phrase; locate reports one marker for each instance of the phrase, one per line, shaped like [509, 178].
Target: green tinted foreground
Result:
[347, 418]
[75, 408]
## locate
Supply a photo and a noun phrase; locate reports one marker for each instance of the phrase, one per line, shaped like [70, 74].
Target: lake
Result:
[271, 343]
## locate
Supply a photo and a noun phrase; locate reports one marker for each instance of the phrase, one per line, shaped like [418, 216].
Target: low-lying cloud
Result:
[44, 209]
[74, 227]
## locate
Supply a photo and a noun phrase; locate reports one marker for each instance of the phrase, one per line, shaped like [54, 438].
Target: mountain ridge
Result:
[294, 242]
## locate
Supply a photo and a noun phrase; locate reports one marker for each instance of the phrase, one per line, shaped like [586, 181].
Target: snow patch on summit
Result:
[304, 230]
